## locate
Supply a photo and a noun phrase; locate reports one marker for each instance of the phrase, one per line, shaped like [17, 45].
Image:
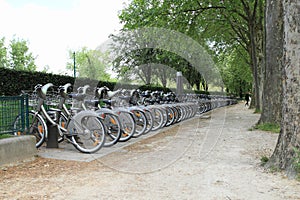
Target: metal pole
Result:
[179, 83]
[74, 59]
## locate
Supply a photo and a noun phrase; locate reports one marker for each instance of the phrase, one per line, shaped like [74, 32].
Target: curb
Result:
[17, 149]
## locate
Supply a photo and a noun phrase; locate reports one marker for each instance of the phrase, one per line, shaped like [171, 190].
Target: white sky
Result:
[52, 27]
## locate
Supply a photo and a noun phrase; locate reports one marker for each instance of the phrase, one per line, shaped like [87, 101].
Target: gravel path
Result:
[210, 157]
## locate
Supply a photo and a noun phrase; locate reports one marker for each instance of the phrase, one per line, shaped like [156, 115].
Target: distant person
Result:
[247, 99]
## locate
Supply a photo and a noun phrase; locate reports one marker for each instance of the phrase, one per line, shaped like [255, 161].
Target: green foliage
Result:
[3, 136]
[14, 81]
[222, 27]
[90, 64]
[235, 72]
[257, 111]
[296, 162]
[155, 65]
[162, 14]
[275, 128]
[16, 56]
[264, 160]
[3, 54]
[20, 57]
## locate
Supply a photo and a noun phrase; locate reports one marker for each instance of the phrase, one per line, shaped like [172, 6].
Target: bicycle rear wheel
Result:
[127, 124]
[170, 116]
[87, 133]
[63, 122]
[140, 121]
[158, 118]
[113, 128]
[37, 127]
[150, 120]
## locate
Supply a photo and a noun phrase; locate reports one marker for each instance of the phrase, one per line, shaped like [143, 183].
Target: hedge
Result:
[12, 82]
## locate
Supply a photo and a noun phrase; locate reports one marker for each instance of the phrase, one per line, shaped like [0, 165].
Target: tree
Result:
[3, 53]
[236, 73]
[215, 24]
[286, 153]
[20, 57]
[92, 64]
[272, 91]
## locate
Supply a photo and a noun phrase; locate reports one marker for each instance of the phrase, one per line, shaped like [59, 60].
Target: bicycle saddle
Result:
[77, 96]
[42, 90]
[113, 93]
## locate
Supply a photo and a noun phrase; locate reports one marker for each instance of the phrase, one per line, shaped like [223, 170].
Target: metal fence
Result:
[13, 114]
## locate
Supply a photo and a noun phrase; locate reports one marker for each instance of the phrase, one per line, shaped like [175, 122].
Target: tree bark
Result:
[272, 91]
[289, 138]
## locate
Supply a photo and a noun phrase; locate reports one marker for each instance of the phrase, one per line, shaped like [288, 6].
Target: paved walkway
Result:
[214, 158]
[67, 151]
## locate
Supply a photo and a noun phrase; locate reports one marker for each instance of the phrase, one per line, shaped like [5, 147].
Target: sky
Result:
[52, 27]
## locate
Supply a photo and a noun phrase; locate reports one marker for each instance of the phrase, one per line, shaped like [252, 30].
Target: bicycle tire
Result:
[170, 116]
[87, 133]
[113, 128]
[63, 122]
[140, 121]
[158, 118]
[127, 124]
[37, 127]
[150, 120]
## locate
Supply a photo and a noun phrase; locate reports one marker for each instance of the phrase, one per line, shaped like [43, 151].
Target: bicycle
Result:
[109, 119]
[126, 118]
[122, 99]
[83, 130]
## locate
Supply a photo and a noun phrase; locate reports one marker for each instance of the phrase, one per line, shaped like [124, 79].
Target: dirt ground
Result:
[211, 157]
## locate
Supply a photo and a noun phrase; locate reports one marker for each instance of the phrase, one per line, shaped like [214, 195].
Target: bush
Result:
[14, 81]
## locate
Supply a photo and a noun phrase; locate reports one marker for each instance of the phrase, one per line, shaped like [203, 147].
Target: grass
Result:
[271, 127]
[10, 107]
[2, 136]
[257, 111]
[264, 160]
[296, 162]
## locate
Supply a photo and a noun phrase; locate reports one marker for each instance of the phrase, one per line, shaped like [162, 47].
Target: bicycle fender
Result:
[79, 116]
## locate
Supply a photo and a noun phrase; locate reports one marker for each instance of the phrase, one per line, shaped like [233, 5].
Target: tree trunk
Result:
[272, 98]
[289, 138]
[255, 68]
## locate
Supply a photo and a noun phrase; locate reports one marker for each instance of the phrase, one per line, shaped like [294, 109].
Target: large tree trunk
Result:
[289, 138]
[272, 92]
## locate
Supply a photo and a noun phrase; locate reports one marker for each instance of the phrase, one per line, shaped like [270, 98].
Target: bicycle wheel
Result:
[37, 127]
[176, 113]
[150, 120]
[170, 116]
[87, 133]
[127, 124]
[158, 118]
[113, 128]
[63, 121]
[140, 122]
[163, 108]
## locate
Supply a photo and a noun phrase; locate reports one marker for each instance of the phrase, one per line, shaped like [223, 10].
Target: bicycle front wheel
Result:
[87, 134]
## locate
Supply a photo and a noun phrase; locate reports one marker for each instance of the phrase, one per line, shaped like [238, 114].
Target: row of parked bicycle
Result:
[105, 117]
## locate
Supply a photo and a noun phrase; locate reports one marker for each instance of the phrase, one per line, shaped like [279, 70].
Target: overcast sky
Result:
[51, 27]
